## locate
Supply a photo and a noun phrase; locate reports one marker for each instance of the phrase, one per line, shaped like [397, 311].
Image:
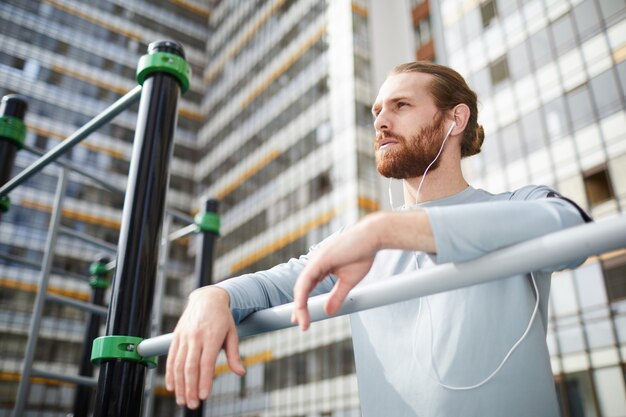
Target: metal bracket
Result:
[5, 203]
[119, 347]
[208, 222]
[13, 129]
[164, 62]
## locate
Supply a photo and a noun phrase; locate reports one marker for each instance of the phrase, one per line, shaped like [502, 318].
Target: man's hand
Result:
[205, 327]
[350, 255]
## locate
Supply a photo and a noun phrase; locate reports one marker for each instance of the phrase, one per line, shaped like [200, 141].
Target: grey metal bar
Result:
[543, 252]
[157, 309]
[72, 167]
[80, 305]
[74, 379]
[37, 265]
[94, 124]
[183, 232]
[179, 215]
[35, 321]
[88, 239]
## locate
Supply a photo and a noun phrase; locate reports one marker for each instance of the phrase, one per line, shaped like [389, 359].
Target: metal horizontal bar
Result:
[88, 239]
[179, 215]
[183, 232]
[91, 126]
[74, 379]
[535, 254]
[72, 167]
[81, 305]
[37, 266]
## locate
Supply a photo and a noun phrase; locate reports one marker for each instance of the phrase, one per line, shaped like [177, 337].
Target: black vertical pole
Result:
[12, 134]
[99, 283]
[121, 380]
[209, 225]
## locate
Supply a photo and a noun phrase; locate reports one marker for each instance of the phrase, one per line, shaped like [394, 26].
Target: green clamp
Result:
[207, 222]
[99, 275]
[5, 203]
[13, 129]
[107, 348]
[164, 62]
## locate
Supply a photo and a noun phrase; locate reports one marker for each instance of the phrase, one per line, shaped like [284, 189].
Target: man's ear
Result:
[460, 114]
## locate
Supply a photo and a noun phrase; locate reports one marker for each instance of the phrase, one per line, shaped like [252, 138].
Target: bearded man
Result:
[475, 351]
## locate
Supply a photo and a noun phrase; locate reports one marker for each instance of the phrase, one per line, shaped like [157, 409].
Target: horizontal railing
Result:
[544, 252]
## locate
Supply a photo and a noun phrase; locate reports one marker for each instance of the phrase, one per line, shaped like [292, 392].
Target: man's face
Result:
[409, 127]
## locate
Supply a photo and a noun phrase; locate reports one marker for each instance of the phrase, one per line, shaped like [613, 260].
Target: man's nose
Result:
[381, 122]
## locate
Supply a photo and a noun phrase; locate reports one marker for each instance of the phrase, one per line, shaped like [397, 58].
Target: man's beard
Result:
[409, 158]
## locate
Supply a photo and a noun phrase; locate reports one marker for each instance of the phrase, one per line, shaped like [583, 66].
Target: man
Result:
[476, 351]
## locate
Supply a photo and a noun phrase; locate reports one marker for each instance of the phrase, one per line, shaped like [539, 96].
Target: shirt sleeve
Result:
[468, 231]
[253, 292]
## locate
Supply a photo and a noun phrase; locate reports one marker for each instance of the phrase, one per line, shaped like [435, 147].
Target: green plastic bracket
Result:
[5, 203]
[207, 222]
[119, 347]
[164, 62]
[99, 275]
[13, 129]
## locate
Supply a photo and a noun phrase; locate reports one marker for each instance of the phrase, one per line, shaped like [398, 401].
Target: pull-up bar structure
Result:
[163, 74]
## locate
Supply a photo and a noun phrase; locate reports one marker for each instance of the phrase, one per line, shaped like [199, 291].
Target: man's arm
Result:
[454, 233]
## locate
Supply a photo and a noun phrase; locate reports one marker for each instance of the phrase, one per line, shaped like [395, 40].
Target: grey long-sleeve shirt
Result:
[409, 355]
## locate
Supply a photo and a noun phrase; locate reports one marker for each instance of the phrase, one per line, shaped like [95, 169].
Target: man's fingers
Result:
[337, 296]
[169, 368]
[231, 348]
[305, 284]
[179, 374]
[207, 371]
[192, 372]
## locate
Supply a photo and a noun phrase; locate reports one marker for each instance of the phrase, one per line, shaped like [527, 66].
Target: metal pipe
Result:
[99, 283]
[77, 304]
[155, 326]
[121, 381]
[35, 321]
[12, 135]
[205, 245]
[182, 232]
[94, 124]
[73, 168]
[74, 379]
[88, 239]
[543, 252]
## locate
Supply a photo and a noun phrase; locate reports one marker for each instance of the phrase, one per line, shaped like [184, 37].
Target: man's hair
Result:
[449, 89]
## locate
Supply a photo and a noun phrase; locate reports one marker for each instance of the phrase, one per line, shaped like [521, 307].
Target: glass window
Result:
[615, 278]
[590, 286]
[605, 93]
[511, 142]
[599, 334]
[556, 118]
[580, 394]
[499, 70]
[472, 24]
[563, 295]
[519, 61]
[540, 46]
[534, 133]
[598, 186]
[610, 389]
[587, 19]
[481, 82]
[488, 12]
[578, 101]
[570, 338]
[563, 33]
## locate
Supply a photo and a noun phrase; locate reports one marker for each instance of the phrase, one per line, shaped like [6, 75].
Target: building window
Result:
[488, 12]
[615, 278]
[499, 70]
[598, 186]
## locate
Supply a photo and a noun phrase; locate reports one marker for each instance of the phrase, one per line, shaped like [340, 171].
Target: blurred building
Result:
[72, 59]
[551, 80]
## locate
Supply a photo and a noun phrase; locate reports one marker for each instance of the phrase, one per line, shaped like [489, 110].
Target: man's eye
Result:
[402, 104]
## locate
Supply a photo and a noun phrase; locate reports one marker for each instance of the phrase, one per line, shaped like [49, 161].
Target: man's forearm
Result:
[409, 230]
